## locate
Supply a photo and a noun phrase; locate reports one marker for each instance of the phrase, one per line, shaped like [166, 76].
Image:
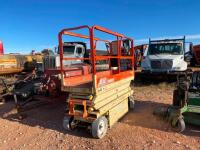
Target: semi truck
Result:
[165, 56]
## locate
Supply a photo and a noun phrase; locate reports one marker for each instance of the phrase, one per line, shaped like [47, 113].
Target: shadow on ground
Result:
[142, 79]
[142, 116]
[48, 116]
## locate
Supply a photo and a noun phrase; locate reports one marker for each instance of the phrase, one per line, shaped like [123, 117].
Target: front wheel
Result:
[67, 123]
[99, 127]
[179, 126]
[2, 101]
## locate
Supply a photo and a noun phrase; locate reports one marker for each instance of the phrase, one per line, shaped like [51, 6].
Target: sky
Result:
[34, 24]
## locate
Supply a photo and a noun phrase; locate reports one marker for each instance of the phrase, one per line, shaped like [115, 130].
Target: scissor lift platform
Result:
[98, 99]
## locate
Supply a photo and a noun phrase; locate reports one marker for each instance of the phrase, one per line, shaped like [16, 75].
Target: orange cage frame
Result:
[93, 57]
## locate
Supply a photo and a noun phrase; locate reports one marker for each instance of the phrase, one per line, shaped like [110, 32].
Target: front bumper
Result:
[155, 71]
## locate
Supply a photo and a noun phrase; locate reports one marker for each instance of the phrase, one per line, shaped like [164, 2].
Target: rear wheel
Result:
[179, 126]
[66, 123]
[21, 116]
[2, 100]
[100, 127]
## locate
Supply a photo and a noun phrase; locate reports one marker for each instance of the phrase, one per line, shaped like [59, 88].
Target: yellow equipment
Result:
[16, 63]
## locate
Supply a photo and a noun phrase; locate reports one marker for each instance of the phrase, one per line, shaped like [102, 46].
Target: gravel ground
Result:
[139, 129]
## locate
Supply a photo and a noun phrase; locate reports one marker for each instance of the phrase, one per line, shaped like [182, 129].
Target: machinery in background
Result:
[186, 102]
[45, 87]
[15, 69]
[140, 52]
[165, 56]
[15, 63]
[195, 55]
[8, 85]
[11, 64]
[43, 76]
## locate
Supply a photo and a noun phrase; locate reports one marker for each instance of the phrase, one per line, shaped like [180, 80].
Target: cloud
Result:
[193, 37]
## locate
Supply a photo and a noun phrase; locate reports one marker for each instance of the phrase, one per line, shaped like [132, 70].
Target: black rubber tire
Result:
[97, 127]
[131, 103]
[2, 101]
[180, 125]
[21, 116]
[66, 123]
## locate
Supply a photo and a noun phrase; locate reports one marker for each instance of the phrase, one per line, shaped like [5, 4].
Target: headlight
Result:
[25, 95]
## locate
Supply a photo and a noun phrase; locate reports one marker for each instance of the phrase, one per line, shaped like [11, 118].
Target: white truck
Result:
[71, 50]
[165, 56]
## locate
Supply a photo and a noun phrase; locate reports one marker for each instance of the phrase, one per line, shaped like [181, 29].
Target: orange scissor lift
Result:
[99, 97]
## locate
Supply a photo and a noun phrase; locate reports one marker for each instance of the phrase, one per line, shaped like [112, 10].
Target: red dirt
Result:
[139, 129]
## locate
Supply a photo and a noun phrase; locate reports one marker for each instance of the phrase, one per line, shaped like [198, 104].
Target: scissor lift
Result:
[99, 97]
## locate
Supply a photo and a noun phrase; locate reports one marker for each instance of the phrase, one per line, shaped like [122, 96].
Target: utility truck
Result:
[165, 56]
[71, 49]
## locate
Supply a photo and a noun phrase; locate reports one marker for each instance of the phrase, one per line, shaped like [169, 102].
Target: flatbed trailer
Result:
[98, 98]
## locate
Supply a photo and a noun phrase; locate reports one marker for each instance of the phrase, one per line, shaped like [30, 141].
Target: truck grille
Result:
[49, 62]
[161, 64]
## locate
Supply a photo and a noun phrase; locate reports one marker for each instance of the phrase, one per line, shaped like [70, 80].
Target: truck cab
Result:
[71, 50]
[165, 56]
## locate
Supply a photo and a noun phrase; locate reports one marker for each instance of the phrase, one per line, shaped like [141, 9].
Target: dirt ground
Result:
[139, 129]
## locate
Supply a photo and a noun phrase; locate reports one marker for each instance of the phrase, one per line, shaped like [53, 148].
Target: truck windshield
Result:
[166, 48]
[68, 49]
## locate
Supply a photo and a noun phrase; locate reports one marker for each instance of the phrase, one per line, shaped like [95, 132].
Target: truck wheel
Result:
[99, 127]
[179, 126]
[2, 101]
[66, 123]
[21, 116]
[131, 103]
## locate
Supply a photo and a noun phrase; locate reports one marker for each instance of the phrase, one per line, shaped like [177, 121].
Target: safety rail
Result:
[94, 57]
